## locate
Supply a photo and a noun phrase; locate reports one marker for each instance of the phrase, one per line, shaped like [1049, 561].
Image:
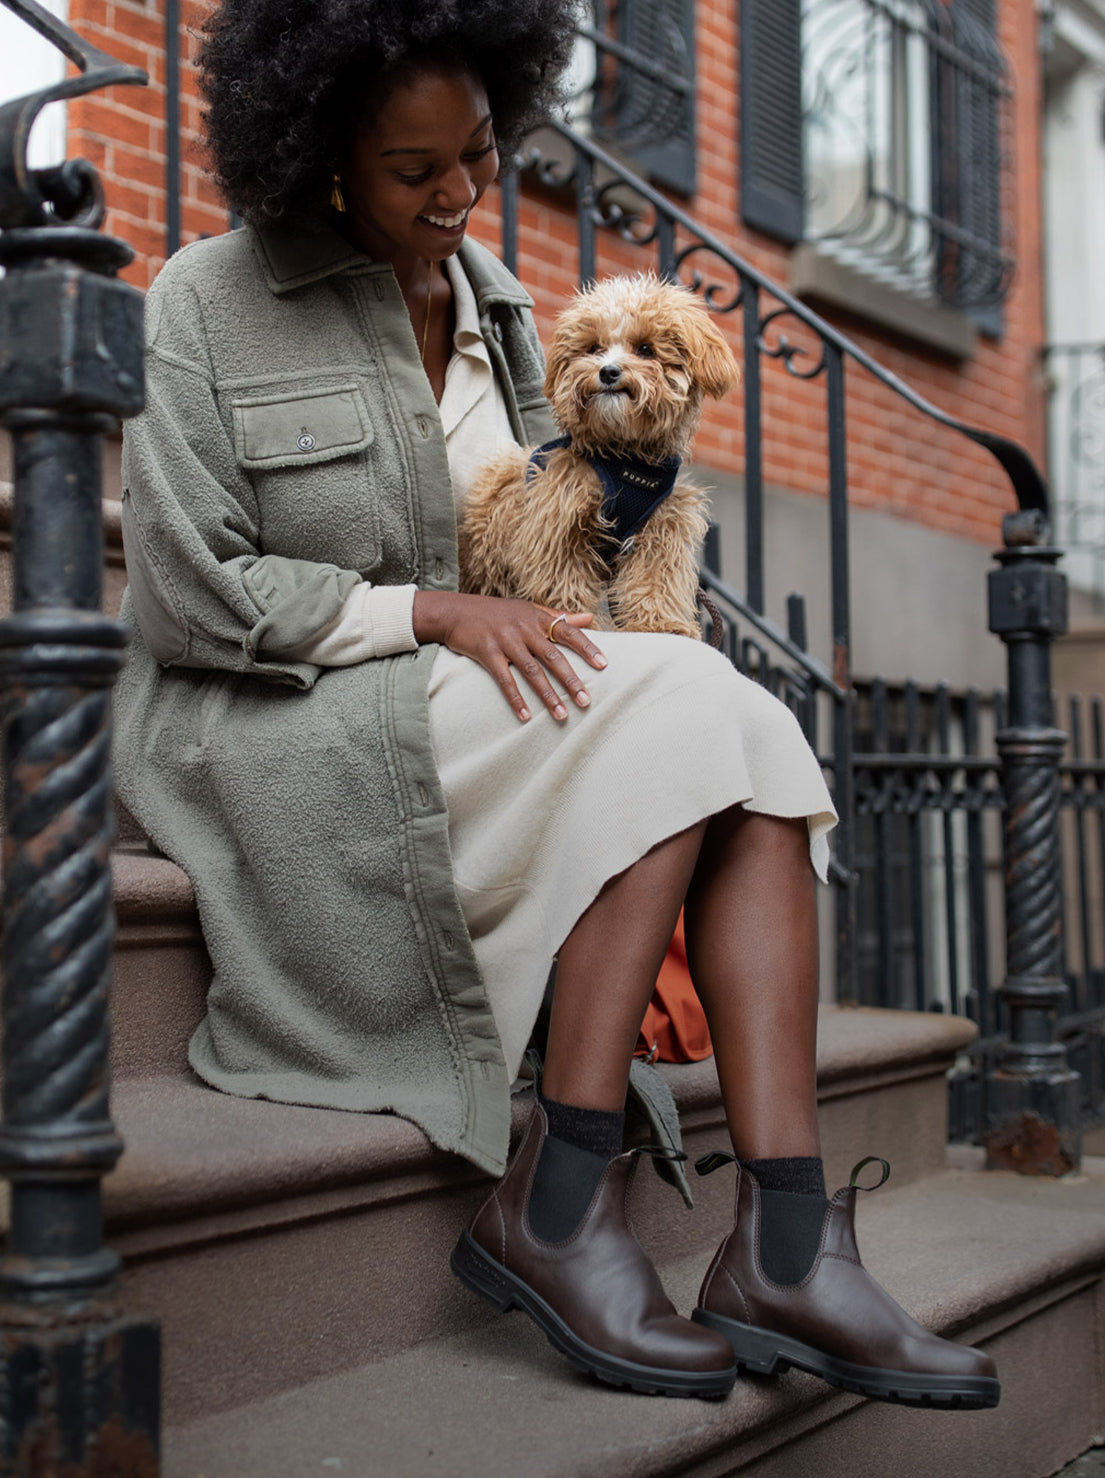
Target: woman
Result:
[398, 803]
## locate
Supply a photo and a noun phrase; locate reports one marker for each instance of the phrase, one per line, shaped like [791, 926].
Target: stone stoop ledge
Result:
[280, 1243]
[192, 1151]
[1012, 1263]
[160, 966]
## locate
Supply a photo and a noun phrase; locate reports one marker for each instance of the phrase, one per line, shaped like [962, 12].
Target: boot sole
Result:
[767, 1353]
[480, 1272]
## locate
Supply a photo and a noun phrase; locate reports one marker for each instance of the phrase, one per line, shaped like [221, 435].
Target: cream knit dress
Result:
[542, 814]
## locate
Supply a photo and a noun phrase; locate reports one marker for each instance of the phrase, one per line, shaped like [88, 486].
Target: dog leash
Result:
[717, 626]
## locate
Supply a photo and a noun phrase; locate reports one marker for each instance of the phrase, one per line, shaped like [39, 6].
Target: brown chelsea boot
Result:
[595, 1295]
[837, 1323]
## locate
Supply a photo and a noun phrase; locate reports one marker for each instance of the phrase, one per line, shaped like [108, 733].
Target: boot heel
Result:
[481, 1273]
[755, 1349]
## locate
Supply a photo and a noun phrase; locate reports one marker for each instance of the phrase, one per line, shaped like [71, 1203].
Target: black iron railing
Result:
[79, 1382]
[1030, 1079]
[930, 858]
[1027, 592]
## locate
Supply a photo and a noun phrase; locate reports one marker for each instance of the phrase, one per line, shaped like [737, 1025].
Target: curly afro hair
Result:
[285, 81]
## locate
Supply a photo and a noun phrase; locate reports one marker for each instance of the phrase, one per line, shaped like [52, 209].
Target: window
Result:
[633, 85]
[874, 130]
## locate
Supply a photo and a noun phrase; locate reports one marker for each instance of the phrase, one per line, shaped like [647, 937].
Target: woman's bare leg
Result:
[752, 942]
[606, 970]
[751, 930]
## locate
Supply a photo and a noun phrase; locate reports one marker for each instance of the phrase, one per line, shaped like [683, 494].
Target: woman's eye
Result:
[646, 351]
[414, 179]
[482, 153]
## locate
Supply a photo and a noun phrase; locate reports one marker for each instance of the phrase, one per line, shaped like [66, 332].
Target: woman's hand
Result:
[503, 634]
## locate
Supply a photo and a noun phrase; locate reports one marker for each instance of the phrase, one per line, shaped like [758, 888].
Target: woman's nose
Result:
[457, 190]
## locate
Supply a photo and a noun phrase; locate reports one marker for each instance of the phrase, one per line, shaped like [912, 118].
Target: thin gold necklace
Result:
[429, 294]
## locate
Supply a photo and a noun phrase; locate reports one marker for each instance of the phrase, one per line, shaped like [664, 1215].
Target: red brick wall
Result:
[899, 460]
[122, 130]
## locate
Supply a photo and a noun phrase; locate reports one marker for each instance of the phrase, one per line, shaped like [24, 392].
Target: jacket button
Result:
[439, 569]
[306, 442]
[497, 330]
[378, 288]
[423, 426]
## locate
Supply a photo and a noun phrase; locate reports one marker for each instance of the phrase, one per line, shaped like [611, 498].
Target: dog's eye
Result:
[645, 351]
[594, 348]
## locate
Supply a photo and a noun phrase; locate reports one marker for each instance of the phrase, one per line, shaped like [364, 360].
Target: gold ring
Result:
[552, 627]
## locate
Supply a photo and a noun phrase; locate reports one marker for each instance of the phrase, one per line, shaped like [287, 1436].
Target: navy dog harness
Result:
[632, 490]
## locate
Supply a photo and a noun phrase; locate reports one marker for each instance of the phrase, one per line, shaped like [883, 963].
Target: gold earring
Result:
[337, 199]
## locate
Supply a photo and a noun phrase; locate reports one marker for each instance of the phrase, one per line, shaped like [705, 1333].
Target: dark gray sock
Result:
[597, 1130]
[804, 1175]
[792, 1206]
[580, 1144]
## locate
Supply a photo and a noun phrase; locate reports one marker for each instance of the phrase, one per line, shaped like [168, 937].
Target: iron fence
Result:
[930, 859]
[1027, 593]
[946, 796]
[79, 1382]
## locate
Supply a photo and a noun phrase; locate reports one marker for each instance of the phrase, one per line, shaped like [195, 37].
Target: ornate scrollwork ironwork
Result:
[786, 351]
[70, 366]
[720, 297]
[618, 211]
[1032, 868]
[1029, 610]
[1024, 476]
[69, 192]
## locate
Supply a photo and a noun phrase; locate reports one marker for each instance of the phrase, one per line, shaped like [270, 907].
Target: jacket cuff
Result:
[374, 621]
[391, 616]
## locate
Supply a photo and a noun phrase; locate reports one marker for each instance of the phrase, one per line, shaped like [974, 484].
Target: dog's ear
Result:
[714, 364]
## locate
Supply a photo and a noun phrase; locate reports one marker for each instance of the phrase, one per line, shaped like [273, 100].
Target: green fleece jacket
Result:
[291, 447]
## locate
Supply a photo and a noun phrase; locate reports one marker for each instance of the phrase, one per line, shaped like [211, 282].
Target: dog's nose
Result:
[610, 374]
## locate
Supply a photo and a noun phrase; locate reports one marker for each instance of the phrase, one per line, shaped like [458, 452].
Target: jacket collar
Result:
[295, 253]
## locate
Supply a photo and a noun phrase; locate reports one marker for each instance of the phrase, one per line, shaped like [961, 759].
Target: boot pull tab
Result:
[536, 1067]
[707, 1164]
[858, 1170]
[659, 1152]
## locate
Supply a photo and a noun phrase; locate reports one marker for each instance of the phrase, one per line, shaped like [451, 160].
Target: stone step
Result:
[160, 969]
[279, 1244]
[1012, 1263]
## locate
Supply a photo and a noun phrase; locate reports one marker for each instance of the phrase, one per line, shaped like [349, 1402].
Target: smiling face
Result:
[412, 175]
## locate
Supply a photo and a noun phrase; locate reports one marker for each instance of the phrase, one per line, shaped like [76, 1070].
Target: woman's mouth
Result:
[447, 224]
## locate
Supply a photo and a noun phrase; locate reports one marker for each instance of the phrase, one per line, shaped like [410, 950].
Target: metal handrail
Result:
[71, 366]
[1027, 481]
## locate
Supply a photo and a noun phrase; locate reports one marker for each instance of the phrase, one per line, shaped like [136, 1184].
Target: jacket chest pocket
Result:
[308, 455]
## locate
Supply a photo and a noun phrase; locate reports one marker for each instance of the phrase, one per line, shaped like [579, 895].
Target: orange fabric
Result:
[675, 1021]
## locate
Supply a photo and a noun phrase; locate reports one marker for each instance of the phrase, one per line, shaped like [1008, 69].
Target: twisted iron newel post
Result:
[78, 1382]
[1033, 1118]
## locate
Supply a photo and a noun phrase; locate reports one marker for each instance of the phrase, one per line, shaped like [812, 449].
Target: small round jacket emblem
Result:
[306, 443]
